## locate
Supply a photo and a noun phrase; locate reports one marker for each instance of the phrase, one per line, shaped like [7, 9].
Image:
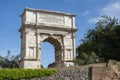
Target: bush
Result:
[16, 74]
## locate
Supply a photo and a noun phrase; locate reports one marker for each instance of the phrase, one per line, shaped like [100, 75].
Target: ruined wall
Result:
[76, 73]
[108, 72]
[102, 73]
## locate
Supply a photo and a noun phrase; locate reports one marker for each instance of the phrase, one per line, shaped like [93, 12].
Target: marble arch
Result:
[57, 28]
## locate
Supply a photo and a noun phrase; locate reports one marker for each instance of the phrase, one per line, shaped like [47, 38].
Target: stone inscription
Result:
[48, 18]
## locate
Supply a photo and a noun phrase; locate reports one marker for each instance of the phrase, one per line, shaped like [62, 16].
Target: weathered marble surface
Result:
[39, 26]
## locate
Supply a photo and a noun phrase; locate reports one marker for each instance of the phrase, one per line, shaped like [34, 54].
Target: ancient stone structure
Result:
[110, 72]
[39, 26]
[102, 73]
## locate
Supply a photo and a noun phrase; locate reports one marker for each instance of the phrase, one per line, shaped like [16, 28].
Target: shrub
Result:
[16, 74]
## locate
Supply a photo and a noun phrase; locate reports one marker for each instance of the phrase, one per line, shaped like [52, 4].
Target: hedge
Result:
[17, 74]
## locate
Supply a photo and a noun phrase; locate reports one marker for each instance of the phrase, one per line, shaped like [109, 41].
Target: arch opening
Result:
[47, 54]
[51, 53]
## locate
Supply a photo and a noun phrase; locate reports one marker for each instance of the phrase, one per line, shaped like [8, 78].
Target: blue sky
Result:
[87, 13]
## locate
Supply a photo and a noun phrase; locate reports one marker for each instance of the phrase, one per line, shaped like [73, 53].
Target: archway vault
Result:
[57, 47]
[54, 42]
[57, 28]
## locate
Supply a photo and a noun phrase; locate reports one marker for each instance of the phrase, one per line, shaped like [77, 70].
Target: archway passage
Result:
[47, 54]
[57, 47]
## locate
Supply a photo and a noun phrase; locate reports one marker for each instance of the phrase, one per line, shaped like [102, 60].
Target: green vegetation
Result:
[9, 61]
[85, 58]
[17, 74]
[103, 40]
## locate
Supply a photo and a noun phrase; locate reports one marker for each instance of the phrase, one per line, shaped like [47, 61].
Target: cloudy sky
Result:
[87, 13]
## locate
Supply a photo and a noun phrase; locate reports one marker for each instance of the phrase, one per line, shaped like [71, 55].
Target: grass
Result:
[17, 74]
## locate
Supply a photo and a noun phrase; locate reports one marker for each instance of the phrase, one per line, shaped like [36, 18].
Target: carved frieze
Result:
[50, 18]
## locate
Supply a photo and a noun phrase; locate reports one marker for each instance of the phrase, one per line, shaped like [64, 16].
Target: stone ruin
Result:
[109, 72]
[57, 28]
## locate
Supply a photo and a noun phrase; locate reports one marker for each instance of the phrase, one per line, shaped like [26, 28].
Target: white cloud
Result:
[92, 20]
[111, 9]
[86, 13]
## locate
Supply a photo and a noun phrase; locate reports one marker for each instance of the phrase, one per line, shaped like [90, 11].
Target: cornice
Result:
[48, 11]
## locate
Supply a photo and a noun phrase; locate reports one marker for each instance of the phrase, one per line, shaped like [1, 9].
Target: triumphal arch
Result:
[57, 28]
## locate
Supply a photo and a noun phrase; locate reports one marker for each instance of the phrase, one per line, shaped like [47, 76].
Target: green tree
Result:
[87, 58]
[9, 61]
[104, 40]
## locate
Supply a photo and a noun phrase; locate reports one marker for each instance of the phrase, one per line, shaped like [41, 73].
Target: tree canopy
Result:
[9, 61]
[103, 40]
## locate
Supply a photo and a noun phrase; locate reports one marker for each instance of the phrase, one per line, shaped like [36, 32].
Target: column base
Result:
[30, 64]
